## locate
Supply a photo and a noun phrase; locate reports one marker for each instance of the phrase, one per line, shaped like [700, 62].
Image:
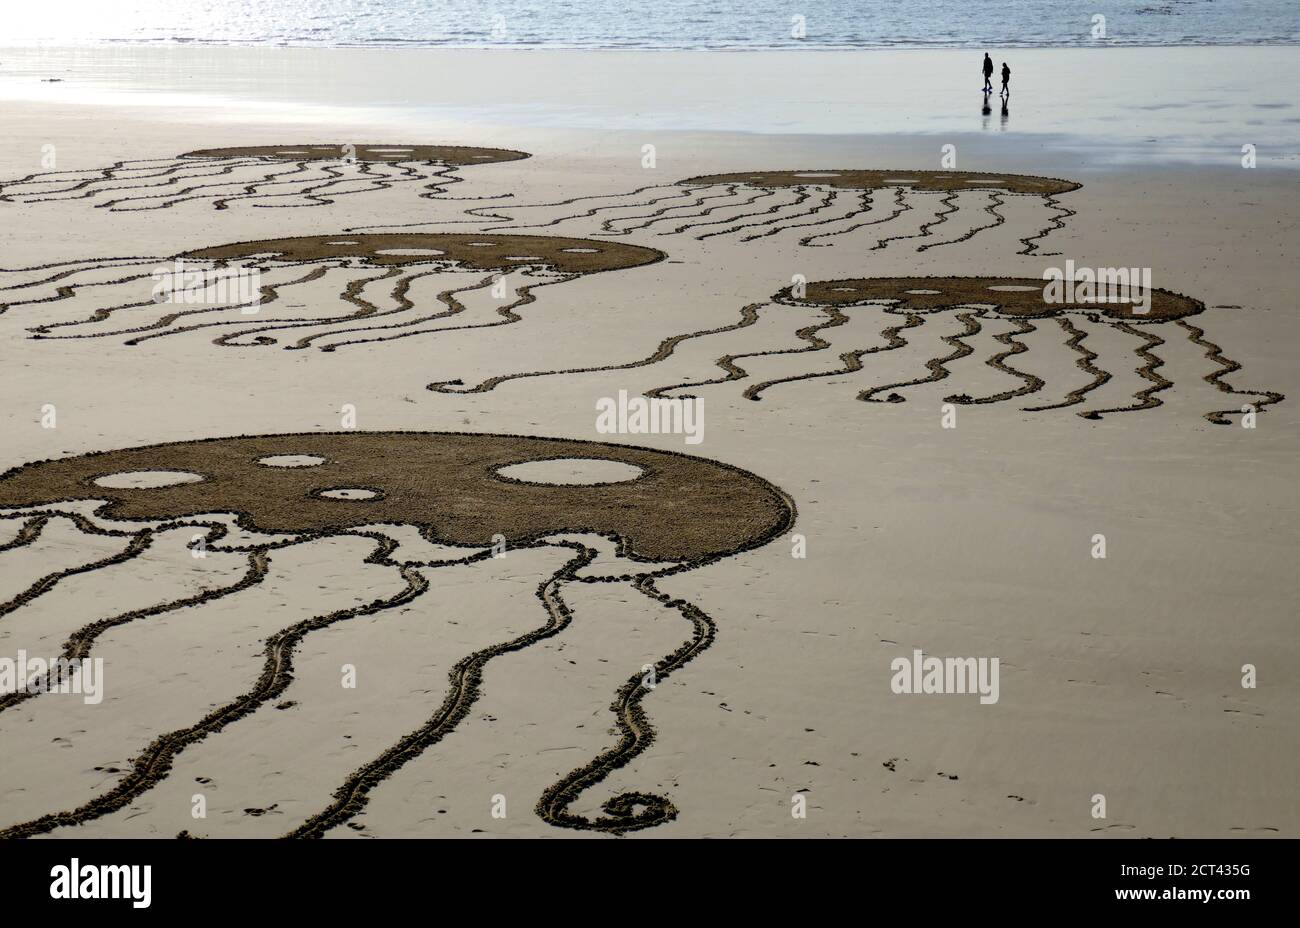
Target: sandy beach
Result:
[951, 520]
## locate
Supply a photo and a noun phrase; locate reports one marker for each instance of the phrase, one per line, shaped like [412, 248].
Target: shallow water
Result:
[659, 24]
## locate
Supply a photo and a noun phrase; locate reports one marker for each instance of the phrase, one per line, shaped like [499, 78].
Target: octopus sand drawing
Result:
[615, 514]
[820, 207]
[970, 299]
[224, 290]
[265, 175]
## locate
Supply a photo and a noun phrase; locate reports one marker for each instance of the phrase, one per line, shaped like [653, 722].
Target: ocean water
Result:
[685, 24]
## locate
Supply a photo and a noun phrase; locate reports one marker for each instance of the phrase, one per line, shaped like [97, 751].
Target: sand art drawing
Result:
[225, 290]
[1015, 301]
[661, 513]
[280, 176]
[818, 207]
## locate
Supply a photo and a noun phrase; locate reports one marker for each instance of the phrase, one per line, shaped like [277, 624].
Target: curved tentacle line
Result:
[948, 184]
[218, 289]
[314, 176]
[1020, 302]
[1214, 353]
[1145, 398]
[456, 489]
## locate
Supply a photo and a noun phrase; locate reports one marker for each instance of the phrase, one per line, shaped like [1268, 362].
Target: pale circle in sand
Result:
[923, 292]
[410, 252]
[571, 471]
[343, 242]
[1014, 288]
[291, 460]
[900, 180]
[146, 479]
[580, 251]
[817, 174]
[522, 258]
[350, 494]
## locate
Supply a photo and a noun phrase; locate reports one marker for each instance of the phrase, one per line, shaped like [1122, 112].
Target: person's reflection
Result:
[1006, 111]
[987, 111]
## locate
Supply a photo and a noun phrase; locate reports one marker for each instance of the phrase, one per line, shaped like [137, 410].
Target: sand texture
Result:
[359, 561]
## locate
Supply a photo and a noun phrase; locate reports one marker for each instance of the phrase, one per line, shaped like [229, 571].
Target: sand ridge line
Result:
[636, 734]
[49, 196]
[607, 225]
[480, 212]
[1022, 299]
[901, 207]
[733, 371]
[802, 195]
[179, 195]
[852, 360]
[996, 199]
[1018, 300]
[1057, 222]
[139, 543]
[29, 531]
[949, 203]
[1032, 383]
[1226, 366]
[828, 200]
[399, 294]
[443, 159]
[1083, 362]
[718, 222]
[390, 253]
[267, 294]
[524, 296]
[948, 182]
[659, 215]
[748, 316]
[936, 366]
[1146, 398]
[153, 765]
[465, 683]
[98, 174]
[80, 643]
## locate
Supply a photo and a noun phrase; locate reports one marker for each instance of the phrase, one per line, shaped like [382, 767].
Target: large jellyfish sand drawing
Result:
[911, 300]
[634, 516]
[817, 207]
[424, 283]
[264, 175]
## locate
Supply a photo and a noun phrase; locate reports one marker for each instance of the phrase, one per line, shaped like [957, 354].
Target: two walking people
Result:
[988, 76]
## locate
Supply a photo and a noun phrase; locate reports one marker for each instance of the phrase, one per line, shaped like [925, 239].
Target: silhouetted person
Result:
[988, 73]
[1006, 80]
